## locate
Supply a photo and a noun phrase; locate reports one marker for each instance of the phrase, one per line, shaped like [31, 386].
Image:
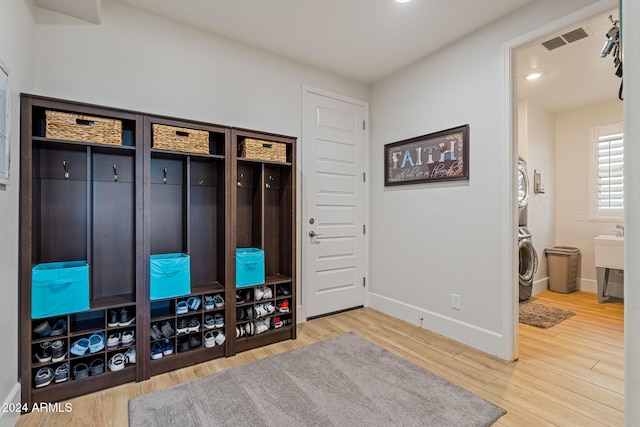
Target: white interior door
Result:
[333, 226]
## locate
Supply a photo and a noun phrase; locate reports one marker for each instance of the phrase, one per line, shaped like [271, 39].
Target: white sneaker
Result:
[220, 338]
[258, 293]
[268, 293]
[269, 307]
[261, 326]
[260, 311]
[209, 339]
[130, 356]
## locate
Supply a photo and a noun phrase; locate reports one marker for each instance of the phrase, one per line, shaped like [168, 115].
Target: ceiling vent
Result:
[569, 37]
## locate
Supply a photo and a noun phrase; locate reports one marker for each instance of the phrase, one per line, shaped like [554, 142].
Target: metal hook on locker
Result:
[66, 171]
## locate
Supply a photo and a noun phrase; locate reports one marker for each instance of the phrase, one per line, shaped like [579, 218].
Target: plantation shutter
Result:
[610, 171]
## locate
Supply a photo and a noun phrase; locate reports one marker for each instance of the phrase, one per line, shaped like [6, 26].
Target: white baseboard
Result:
[540, 285]
[10, 418]
[466, 333]
[613, 289]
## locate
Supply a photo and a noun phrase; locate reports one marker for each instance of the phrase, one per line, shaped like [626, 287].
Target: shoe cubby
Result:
[179, 326]
[77, 344]
[104, 190]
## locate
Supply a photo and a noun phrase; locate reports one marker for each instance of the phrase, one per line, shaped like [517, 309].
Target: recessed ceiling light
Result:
[403, 1]
[533, 76]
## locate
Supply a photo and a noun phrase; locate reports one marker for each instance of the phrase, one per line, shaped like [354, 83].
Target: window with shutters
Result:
[607, 167]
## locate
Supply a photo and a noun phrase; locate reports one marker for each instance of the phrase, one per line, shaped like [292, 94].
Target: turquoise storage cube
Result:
[249, 267]
[170, 275]
[59, 288]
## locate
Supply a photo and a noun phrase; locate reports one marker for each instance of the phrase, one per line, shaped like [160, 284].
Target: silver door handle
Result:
[314, 234]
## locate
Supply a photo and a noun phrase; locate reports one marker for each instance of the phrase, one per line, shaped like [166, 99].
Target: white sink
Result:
[609, 251]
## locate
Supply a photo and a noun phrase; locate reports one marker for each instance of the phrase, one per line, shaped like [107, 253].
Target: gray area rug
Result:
[542, 316]
[344, 381]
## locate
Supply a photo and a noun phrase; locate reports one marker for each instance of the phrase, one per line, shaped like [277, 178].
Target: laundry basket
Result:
[562, 266]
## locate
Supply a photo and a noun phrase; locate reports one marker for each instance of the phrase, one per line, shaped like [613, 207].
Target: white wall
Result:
[16, 51]
[540, 143]
[429, 241]
[144, 62]
[572, 199]
[631, 37]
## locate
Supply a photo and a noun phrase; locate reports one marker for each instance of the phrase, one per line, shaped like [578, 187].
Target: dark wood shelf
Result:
[259, 162]
[176, 154]
[47, 142]
[112, 302]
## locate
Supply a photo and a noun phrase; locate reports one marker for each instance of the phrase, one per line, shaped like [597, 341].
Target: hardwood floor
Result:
[570, 374]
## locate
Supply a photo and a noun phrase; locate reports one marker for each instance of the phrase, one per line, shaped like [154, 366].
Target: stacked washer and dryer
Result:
[528, 258]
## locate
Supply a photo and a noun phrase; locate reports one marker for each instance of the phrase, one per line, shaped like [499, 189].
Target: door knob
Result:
[314, 234]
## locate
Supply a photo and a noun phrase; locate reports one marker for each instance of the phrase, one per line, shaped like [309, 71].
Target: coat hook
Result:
[115, 173]
[201, 182]
[164, 178]
[66, 172]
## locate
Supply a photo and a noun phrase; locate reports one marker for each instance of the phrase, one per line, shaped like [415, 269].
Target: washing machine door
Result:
[523, 185]
[528, 259]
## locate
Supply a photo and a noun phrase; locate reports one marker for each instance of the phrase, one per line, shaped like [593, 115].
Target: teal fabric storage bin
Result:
[59, 288]
[249, 267]
[170, 275]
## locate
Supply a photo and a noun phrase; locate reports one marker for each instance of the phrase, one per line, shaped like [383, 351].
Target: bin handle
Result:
[59, 282]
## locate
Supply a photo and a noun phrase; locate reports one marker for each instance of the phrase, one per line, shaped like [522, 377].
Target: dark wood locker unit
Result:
[263, 203]
[111, 206]
[187, 204]
[71, 192]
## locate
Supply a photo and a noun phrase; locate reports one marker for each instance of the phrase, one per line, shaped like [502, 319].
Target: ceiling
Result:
[367, 40]
[574, 74]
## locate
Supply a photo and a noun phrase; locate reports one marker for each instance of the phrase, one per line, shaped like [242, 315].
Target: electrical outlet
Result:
[455, 301]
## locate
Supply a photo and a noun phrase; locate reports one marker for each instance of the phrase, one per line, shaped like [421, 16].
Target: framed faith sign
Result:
[436, 157]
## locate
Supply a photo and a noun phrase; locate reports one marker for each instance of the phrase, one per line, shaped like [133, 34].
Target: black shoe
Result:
[195, 341]
[249, 311]
[155, 332]
[125, 320]
[247, 295]
[183, 344]
[239, 298]
[59, 328]
[240, 314]
[113, 319]
[44, 352]
[283, 291]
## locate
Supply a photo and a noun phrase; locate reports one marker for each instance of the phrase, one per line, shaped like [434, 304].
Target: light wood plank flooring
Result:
[571, 374]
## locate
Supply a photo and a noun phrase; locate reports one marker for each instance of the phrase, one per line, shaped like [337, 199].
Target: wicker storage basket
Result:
[180, 139]
[263, 150]
[77, 127]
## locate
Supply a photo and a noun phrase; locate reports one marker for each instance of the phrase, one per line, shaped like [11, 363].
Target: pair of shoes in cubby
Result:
[263, 292]
[252, 328]
[160, 349]
[213, 338]
[191, 303]
[187, 342]
[51, 351]
[119, 360]
[264, 309]
[44, 329]
[158, 332]
[213, 301]
[283, 290]
[244, 313]
[185, 326]
[120, 318]
[213, 321]
[283, 306]
[117, 339]
[243, 295]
